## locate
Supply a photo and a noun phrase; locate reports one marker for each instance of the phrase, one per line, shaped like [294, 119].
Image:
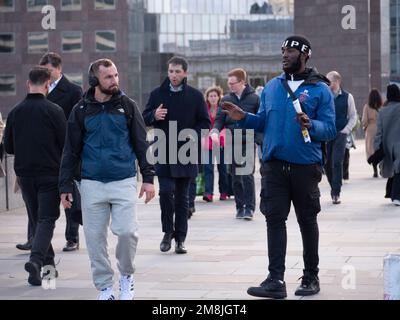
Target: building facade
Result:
[140, 36]
[359, 52]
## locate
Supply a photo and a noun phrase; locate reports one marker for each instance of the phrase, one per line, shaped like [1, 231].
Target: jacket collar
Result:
[310, 76]
[88, 97]
[165, 86]
[247, 90]
[62, 86]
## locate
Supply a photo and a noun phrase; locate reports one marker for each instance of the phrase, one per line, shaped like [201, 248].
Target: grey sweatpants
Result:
[100, 201]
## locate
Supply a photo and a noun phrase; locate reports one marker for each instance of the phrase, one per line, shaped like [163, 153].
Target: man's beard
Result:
[295, 67]
[109, 92]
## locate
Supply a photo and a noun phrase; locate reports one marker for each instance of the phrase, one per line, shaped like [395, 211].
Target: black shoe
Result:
[34, 278]
[309, 285]
[375, 172]
[191, 210]
[336, 199]
[240, 213]
[165, 244]
[180, 248]
[269, 288]
[24, 246]
[71, 246]
[248, 214]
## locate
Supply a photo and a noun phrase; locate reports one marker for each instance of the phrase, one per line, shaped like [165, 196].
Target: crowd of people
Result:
[81, 149]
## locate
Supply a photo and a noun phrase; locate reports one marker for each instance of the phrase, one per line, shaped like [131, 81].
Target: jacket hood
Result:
[310, 76]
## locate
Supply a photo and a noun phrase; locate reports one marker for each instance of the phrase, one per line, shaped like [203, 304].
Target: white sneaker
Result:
[396, 202]
[106, 294]
[126, 288]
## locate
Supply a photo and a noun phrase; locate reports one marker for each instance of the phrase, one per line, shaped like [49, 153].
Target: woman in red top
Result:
[213, 97]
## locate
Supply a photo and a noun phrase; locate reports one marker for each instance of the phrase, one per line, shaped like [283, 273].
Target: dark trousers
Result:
[229, 180]
[42, 200]
[174, 199]
[72, 227]
[243, 189]
[283, 183]
[209, 174]
[393, 187]
[192, 192]
[334, 164]
[31, 228]
[346, 163]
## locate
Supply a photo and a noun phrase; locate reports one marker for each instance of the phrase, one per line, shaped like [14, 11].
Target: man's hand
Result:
[147, 188]
[303, 120]
[214, 138]
[161, 113]
[66, 200]
[233, 111]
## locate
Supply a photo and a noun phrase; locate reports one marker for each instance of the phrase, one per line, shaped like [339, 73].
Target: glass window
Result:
[225, 7]
[197, 23]
[105, 4]
[76, 78]
[206, 23]
[6, 5]
[8, 84]
[180, 26]
[201, 6]
[171, 23]
[38, 42]
[7, 43]
[166, 6]
[106, 41]
[71, 5]
[188, 23]
[71, 41]
[36, 5]
[209, 6]
[163, 23]
[155, 6]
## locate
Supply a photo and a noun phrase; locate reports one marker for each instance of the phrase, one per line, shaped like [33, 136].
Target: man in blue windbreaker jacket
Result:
[292, 167]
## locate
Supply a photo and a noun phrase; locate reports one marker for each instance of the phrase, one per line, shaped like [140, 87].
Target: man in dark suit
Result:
[66, 95]
[175, 103]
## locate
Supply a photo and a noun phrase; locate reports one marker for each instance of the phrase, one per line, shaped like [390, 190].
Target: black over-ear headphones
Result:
[93, 80]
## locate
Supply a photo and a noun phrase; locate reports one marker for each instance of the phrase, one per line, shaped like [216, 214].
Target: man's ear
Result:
[47, 86]
[28, 85]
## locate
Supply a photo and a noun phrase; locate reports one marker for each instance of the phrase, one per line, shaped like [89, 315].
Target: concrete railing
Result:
[8, 199]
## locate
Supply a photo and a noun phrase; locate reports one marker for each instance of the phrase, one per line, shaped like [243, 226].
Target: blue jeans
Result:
[334, 164]
[209, 174]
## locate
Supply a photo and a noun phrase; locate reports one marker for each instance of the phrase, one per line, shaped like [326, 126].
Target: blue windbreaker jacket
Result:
[276, 117]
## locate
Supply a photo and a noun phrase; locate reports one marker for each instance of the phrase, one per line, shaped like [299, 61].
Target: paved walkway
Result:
[226, 256]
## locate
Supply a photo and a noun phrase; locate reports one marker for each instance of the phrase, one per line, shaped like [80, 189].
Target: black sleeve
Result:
[220, 119]
[72, 150]
[149, 111]
[8, 135]
[140, 144]
[258, 136]
[60, 126]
